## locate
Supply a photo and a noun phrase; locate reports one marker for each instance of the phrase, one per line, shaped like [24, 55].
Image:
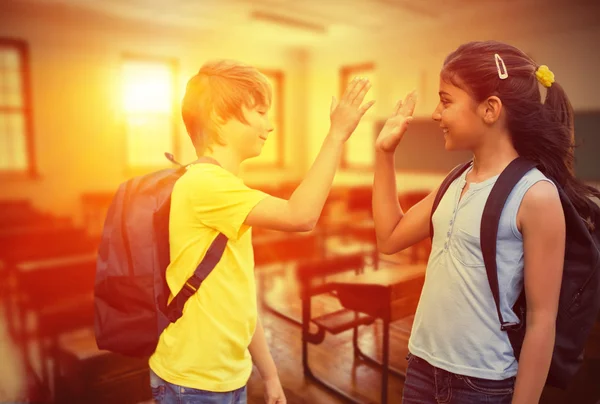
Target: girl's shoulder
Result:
[532, 177]
[535, 184]
[534, 193]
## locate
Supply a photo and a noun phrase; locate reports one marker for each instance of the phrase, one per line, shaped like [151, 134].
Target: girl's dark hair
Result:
[541, 132]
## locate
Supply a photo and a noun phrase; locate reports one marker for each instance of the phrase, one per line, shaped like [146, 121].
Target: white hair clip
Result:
[502, 72]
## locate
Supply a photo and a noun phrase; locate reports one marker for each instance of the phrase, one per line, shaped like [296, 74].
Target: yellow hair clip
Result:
[544, 76]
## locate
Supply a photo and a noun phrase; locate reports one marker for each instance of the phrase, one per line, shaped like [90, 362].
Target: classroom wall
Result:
[77, 117]
[564, 38]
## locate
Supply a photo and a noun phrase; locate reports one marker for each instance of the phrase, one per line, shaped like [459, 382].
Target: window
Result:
[272, 154]
[16, 137]
[359, 151]
[149, 107]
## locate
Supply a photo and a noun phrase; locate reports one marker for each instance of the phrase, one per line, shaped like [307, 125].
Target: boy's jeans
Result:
[166, 393]
[426, 384]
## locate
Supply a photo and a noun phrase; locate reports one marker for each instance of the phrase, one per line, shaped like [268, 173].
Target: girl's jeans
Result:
[426, 384]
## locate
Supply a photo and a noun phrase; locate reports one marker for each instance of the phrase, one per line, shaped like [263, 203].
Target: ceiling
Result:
[309, 21]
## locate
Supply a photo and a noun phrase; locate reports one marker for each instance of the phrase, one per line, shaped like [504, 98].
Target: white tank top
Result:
[456, 326]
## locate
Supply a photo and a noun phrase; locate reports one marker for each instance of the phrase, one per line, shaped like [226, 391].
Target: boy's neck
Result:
[228, 160]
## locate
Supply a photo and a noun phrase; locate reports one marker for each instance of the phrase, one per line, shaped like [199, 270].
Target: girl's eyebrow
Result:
[441, 93]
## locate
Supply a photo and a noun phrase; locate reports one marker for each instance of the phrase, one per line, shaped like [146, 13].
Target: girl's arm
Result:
[395, 229]
[542, 222]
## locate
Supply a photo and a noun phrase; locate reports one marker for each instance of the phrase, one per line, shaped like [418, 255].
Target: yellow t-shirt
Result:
[207, 348]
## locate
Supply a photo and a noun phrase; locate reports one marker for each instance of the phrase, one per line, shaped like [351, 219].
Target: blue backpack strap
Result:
[490, 222]
[454, 174]
[210, 260]
[202, 159]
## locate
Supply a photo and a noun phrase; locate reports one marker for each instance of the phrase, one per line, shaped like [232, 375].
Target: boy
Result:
[206, 356]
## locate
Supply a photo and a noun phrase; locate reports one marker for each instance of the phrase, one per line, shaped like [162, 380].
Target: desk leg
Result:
[306, 338]
[305, 331]
[24, 336]
[376, 259]
[8, 302]
[358, 353]
[386, 360]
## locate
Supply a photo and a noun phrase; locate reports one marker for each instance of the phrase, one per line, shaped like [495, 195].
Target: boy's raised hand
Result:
[346, 114]
[396, 125]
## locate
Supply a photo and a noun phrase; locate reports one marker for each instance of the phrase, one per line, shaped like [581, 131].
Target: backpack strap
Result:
[206, 160]
[454, 174]
[490, 222]
[202, 159]
[208, 263]
[171, 158]
[210, 260]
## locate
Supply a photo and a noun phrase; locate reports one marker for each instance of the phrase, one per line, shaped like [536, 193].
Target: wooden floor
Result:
[333, 359]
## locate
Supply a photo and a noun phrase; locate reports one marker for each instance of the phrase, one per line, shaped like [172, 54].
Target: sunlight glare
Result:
[147, 87]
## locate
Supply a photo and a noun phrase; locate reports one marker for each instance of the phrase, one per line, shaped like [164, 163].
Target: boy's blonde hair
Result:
[219, 90]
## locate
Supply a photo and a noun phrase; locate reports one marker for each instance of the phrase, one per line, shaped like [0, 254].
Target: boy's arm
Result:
[543, 226]
[259, 350]
[301, 212]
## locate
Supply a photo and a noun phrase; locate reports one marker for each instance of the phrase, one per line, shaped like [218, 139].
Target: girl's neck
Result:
[492, 158]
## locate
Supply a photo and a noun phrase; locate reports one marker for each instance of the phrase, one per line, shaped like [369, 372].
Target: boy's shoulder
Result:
[207, 174]
[208, 177]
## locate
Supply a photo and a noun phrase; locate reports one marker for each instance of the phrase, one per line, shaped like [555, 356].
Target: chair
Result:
[59, 293]
[335, 322]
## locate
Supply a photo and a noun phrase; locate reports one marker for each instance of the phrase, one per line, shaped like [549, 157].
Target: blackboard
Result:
[422, 149]
[587, 139]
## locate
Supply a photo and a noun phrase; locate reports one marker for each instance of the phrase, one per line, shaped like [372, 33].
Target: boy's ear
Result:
[218, 123]
[221, 139]
[491, 108]
[216, 118]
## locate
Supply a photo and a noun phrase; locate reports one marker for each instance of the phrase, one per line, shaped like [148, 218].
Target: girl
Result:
[490, 104]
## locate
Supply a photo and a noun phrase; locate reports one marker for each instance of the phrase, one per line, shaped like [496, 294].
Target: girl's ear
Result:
[492, 107]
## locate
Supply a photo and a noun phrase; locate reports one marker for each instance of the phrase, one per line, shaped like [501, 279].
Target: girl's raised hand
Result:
[396, 125]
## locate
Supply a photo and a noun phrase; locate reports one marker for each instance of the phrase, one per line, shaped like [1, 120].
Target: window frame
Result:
[31, 171]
